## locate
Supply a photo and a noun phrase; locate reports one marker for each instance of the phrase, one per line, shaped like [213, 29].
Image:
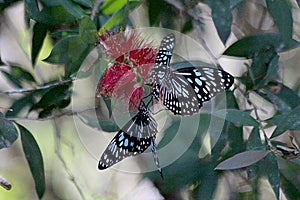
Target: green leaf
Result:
[241, 160]
[208, 185]
[236, 116]
[19, 105]
[53, 97]
[86, 3]
[270, 167]
[39, 34]
[283, 97]
[271, 71]
[288, 188]
[71, 51]
[282, 15]
[8, 132]
[222, 17]
[254, 140]
[291, 121]
[31, 8]
[17, 75]
[54, 15]
[112, 6]
[34, 159]
[120, 17]
[73, 8]
[249, 46]
[87, 30]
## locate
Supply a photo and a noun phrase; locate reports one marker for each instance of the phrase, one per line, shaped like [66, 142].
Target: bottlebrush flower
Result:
[131, 60]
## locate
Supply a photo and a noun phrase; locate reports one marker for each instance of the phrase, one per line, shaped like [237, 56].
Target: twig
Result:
[23, 90]
[4, 183]
[55, 116]
[60, 157]
[95, 8]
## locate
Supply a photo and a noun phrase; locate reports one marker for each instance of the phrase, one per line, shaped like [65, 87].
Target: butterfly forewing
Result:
[134, 138]
[162, 62]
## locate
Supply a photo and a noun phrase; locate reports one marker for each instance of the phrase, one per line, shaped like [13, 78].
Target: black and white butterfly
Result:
[133, 139]
[184, 90]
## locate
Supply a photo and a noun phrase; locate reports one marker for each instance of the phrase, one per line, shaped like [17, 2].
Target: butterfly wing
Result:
[134, 138]
[162, 61]
[185, 90]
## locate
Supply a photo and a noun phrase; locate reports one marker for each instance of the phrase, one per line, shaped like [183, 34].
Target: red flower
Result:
[110, 79]
[132, 59]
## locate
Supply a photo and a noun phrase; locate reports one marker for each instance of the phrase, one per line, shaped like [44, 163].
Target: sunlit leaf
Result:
[8, 132]
[241, 160]
[119, 17]
[35, 160]
[112, 6]
[236, 116]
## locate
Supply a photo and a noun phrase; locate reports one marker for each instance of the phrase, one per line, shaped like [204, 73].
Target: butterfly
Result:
[183, 91]
[133, 139]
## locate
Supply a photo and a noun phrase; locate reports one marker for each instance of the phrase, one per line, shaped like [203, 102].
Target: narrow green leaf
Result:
[34, 159]
[271, 72]
[222, 17]
[249, 46]
[291, 121]
[282, 15]
[241, 160]
[283, 97]
[270, 167]
[8, 132]
[254, 140]
[236, 116]
[39, 34]
[117, 18]
[16, 82]
[87, 30]
[112, 6]
[73, 8]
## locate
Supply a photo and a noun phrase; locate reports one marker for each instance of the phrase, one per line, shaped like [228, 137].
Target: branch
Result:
[95, 8]
[62, 160]
[51, 85]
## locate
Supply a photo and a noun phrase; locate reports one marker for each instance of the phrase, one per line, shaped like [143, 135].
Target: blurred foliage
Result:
[74, 25]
